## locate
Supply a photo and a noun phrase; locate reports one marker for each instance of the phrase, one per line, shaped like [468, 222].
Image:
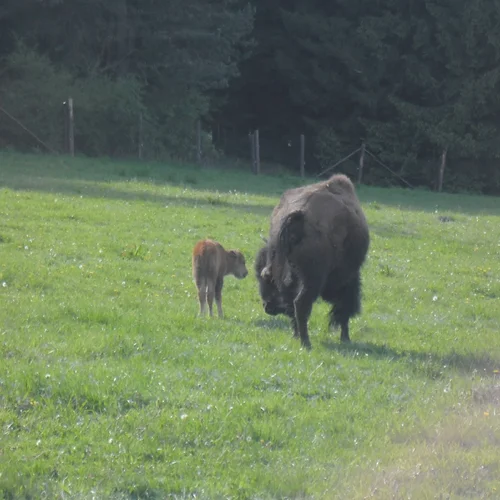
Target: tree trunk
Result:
[122, 36]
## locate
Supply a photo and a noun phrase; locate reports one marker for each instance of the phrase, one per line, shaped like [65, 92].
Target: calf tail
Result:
[200, 267]
[196, 266]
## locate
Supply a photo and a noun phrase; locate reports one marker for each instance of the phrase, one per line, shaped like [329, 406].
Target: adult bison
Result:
[318, 241]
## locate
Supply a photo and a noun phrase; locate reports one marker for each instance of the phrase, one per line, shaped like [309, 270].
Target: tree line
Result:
[417, 81]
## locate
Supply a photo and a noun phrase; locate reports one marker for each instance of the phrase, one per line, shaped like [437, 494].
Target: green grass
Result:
[112, 387]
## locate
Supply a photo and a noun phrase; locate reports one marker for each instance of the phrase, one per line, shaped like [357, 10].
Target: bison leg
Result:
[339, 318]
[296, 333]
[346, 305]
[218, 296]
[289, 294]
[344, 332]
[303, 304]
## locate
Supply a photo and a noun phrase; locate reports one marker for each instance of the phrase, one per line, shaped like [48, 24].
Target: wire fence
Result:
[27, 130]
[285, 150]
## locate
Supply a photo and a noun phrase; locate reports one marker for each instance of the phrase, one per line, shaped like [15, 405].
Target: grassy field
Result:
[111, 387]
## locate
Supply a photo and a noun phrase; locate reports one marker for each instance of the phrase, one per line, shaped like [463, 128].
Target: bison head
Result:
[272, 299]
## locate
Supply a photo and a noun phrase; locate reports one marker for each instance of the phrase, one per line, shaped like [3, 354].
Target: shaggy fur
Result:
[210, 264]
[318, 242]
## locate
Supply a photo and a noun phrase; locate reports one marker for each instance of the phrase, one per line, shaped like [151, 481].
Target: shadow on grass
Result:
[103, 190]
[47, 173]
[273, 324]
[36, 171]
[431, 364]
[428, 201]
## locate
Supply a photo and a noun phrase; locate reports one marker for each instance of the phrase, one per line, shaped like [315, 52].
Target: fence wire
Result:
[26, 129]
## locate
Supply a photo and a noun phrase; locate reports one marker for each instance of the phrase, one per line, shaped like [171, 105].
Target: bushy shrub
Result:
[327, 148]
[33, 91]
[174, 118]
[107, 115]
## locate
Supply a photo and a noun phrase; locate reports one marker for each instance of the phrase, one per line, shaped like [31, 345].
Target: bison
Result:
[210, 264]
[318, 241]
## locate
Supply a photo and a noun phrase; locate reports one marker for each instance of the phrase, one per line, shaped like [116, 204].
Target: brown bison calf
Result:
[210, 264]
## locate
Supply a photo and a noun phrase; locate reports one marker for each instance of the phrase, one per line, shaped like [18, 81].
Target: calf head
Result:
[272, 298]
[236, 264]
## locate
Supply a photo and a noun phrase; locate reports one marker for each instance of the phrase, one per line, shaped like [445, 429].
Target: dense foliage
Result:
[413, 80]
[119, 59]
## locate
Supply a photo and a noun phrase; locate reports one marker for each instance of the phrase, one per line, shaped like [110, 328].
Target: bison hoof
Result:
[306, 345]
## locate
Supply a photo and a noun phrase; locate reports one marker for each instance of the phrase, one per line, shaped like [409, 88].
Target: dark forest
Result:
[418, 82]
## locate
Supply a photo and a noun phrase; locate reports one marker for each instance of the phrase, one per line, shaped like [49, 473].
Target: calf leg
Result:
[202, 295]
[218, 296]
[210, 295]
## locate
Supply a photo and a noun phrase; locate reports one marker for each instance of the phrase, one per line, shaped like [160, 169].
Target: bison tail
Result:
[291, 232]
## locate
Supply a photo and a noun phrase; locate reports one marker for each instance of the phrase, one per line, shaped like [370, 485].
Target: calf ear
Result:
[266, 273]
[236, 256]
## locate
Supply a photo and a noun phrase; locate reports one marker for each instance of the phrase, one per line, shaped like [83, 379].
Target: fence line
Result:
[254, 145]
[392, 172]
[363, 149]
[338, 163]
[26, 129]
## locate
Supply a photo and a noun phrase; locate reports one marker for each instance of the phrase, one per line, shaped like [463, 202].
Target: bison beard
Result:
[317, 244]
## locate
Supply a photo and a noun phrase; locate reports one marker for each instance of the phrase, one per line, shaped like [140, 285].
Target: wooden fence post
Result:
[140, 138]
[441, 169]
[361, 162]
[66, 126]
[71, 127]
[198, 142]
[251, 138]
[302, 155]
[257, 152]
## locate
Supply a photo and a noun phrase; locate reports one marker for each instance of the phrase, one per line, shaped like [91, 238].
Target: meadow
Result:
[112, 387]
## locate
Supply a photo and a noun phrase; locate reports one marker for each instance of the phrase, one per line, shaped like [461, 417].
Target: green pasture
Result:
[112, 387]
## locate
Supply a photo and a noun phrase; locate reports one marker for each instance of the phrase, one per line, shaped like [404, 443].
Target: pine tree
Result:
[441, 94]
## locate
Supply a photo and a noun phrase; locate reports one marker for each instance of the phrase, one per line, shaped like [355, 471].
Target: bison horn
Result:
[266, 273]
[263, 239]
